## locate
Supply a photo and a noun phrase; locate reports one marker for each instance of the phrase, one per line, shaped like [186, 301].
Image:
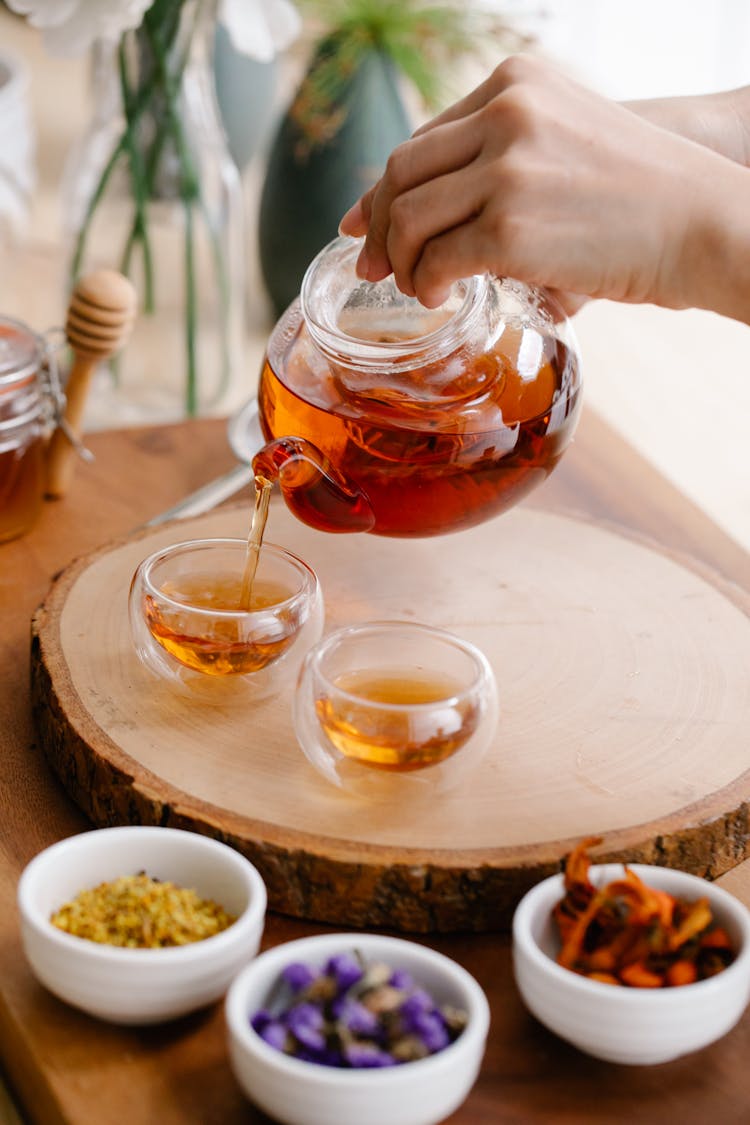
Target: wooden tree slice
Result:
[623, 677]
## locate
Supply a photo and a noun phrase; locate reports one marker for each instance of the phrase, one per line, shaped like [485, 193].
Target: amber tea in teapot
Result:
[381, 415]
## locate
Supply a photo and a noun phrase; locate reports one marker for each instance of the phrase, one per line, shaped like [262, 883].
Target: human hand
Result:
[535, 177]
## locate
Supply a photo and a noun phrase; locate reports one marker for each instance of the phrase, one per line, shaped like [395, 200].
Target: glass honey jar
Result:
[29, 397]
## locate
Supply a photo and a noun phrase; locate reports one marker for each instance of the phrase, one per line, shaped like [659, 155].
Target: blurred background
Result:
[643, 48]
[676, 385]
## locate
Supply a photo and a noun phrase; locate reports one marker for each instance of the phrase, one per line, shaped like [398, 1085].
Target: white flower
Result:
[69, 27]
[258, 28]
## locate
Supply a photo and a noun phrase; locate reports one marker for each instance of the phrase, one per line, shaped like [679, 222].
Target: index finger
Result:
[419, 161]
[473, 101]
[356, 221]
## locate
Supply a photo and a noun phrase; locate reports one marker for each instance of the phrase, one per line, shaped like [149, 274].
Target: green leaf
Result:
[420, 38]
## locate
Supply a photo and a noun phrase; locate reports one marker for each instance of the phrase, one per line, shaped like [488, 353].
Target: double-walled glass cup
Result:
[391, 707]
[193, 625]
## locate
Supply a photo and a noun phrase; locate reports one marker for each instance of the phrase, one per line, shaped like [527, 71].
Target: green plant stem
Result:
[167, 79]
[140, 184]
[190, 191]
[118, 151]
[154, 156]
[191, 311]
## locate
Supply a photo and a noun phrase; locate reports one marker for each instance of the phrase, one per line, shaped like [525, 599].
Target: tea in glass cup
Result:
[393, 706]
[196, 622]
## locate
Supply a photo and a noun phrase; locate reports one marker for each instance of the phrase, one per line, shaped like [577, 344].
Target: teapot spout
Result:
[313, 490]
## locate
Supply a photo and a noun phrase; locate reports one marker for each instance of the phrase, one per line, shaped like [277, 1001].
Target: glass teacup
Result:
[391, 707]
[193, 624]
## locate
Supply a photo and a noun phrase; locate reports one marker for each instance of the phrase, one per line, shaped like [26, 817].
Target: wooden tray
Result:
[623, 677]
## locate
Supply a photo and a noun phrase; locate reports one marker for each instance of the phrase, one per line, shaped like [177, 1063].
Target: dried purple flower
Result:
[260, 1020]
[305, 1021]
[326, 1057]
[355, 1016]
[431, 1029]
[299, 976]
[418, 1001]
[346, 969]
[401, 979]
[275, 1035]
[367, 1055]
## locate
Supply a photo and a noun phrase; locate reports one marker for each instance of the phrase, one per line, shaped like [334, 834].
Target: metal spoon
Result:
[245, 439]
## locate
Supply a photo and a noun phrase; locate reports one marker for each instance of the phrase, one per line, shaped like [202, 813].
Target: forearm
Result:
[535, 177]
[715, 262]
[712, 271]
[720, 121]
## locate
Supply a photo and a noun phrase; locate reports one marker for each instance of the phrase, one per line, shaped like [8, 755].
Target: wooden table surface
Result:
[64, 1067]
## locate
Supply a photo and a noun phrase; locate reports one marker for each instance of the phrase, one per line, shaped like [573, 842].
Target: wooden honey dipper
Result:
[100, 317]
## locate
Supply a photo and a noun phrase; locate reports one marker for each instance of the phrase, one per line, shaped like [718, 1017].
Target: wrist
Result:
[736, 106]
[719, 121]
[714, 265]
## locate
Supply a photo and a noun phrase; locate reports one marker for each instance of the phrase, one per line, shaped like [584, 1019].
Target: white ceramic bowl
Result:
[139, 986]
[301, 1093]
[630, 1025]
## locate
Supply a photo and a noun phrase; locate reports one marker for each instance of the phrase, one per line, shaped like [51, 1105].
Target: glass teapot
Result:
[382, 415]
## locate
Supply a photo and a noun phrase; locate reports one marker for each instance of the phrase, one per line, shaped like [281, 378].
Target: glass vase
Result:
[152, 191]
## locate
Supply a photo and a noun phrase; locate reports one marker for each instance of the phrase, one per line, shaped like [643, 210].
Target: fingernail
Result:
[351, 221]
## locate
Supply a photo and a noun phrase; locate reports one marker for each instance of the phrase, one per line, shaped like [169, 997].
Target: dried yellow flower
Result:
[139, 912]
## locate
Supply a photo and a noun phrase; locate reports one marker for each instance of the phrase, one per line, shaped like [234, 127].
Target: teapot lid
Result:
[386, 348]
[367, 325]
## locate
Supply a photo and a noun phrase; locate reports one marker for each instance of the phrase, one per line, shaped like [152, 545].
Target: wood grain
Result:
[622, 674]
[66, 1068]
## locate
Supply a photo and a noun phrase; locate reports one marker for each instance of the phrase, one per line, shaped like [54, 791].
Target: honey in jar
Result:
[23, 417]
